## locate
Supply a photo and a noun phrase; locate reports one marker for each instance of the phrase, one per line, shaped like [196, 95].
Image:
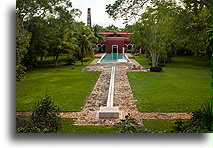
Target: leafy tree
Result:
[39, 40]
[154, 31]
[131, 9]
[112, 28]
[48, 21]
[27, 9]
[22, 43]
[127, 9]
[58, 28]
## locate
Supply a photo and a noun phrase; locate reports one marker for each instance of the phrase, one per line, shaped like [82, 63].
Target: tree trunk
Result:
[41, 60]
[155, 58]
[56, 61]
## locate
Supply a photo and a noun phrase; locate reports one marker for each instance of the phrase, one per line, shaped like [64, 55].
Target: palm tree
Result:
[69, 43]
[96, 30]
[86, 43]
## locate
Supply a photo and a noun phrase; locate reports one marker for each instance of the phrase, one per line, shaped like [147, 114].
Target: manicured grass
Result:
[67, 85]
[52, 58]
[154, 124]
[159, 124]
[143, 61]
[184, 85]
[68, 128]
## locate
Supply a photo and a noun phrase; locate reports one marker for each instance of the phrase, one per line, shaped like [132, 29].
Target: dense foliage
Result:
[165, 28]
[130, 125]
[127, 126]
[201, 121]
[22, 43]
[44, 118]
[48, 28]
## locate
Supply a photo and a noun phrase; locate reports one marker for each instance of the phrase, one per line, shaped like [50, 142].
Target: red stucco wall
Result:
[114, 41]
[120, 41]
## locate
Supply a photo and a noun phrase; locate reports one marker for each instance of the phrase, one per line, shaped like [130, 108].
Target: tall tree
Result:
[191, 22]
[154, 30]
[39, 40]
[86, 43]
[48, 21]
[22, 43]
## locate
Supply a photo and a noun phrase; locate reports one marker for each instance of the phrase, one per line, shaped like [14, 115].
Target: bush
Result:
[161, 64]
[44, 118]
[129, 125]
[155, 69]
[84, 60]
[45, 115]
[201, 121]
[70, 61]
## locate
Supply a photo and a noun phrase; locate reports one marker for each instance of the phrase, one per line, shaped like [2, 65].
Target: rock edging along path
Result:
[152, 115]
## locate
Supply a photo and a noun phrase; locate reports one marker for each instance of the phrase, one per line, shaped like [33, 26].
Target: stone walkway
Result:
[123, 98]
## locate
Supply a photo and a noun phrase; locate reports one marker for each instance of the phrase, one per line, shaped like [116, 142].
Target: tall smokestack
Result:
[89, 24]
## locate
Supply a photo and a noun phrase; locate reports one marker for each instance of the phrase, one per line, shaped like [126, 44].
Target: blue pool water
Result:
[114, 58]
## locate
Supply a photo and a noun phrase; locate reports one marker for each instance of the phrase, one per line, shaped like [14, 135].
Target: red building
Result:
[115, 42]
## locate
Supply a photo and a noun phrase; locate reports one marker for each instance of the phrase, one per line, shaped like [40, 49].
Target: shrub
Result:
[70, 61]
[127, 125]
[84, 60]
[201, 121]
[161, 64]
[45, 115]
[156, 69]
[44, 118]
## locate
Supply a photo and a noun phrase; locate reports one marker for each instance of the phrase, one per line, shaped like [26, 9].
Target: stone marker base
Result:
[110, 113]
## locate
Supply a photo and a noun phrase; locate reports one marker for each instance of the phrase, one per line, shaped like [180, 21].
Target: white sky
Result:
[98, 14]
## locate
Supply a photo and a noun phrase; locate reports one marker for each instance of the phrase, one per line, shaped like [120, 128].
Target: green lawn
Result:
[184, 85]
[159, 124]
[67, 85]
[143, 61]
[68, 128]
[154, 124]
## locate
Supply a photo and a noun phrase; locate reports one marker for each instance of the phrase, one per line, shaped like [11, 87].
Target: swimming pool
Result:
[114, 58]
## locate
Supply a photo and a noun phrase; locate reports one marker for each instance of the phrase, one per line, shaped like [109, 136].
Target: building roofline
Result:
[115, 32]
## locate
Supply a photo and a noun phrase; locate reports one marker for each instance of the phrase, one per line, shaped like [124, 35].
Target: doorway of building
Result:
[114, 48]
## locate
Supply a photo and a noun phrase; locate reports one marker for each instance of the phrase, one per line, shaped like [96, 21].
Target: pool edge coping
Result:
[100, 63]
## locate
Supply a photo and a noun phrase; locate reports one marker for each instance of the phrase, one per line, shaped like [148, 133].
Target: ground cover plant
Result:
[67, 84]
[182, 87]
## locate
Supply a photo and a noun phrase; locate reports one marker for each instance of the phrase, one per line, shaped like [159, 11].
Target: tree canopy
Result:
[130, 9]
[165, 27]
[48, 28]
